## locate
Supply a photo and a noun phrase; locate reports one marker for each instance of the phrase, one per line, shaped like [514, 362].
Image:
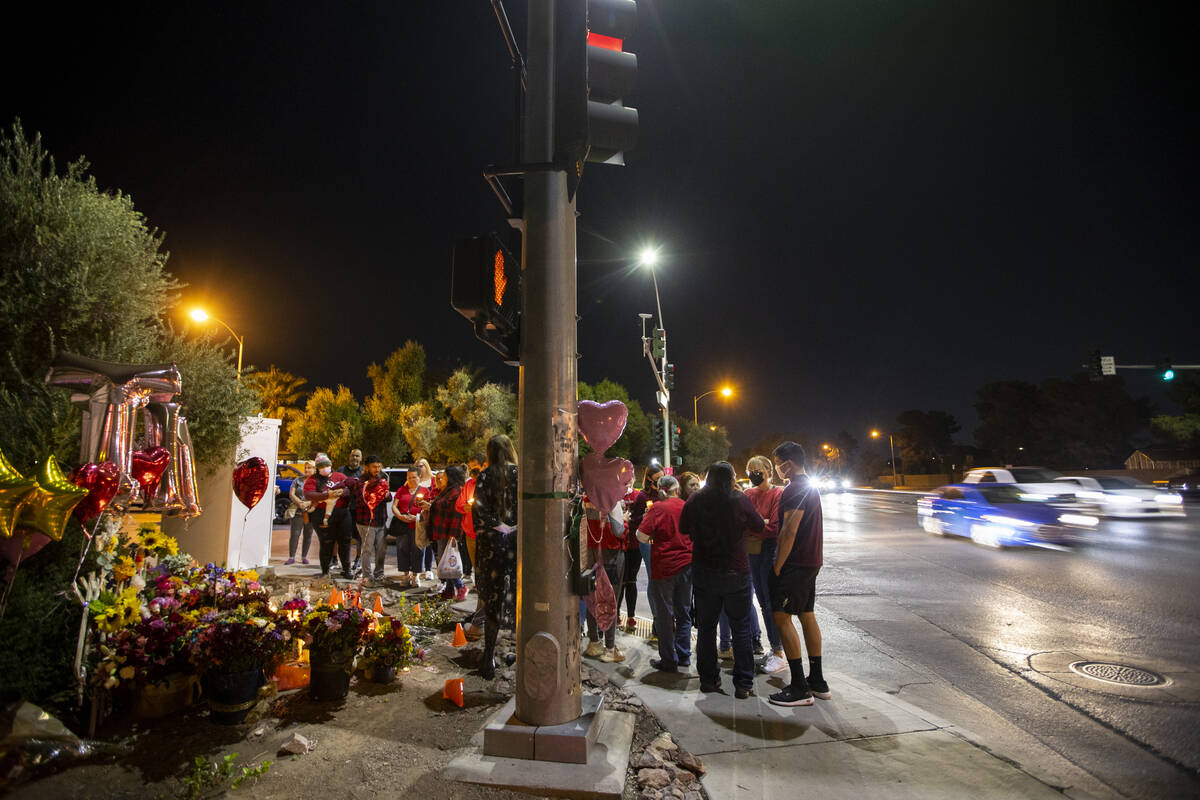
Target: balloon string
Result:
[86, 547]
[242, 539]
[12, 577]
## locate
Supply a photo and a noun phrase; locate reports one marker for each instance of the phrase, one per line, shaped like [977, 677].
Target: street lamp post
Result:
[648, 259]
[200, 315]
[892, 447]
[725, 392]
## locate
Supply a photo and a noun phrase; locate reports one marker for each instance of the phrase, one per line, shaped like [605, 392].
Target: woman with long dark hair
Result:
[445, 524]
[494, 513]
[716, 519]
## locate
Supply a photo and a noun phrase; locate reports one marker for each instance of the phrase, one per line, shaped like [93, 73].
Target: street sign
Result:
[1108, 365]
[662, 398]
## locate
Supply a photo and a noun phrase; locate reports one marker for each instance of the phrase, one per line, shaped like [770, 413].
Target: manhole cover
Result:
[1122, 674]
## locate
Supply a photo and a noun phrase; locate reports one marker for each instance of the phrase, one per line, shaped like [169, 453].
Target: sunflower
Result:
[109, 619]
[153, 540]
[129, 612]
[123, 570]
[245, 575]
[171, 544]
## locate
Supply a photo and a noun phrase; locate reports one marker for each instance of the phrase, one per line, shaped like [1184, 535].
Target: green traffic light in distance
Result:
[1168, 375]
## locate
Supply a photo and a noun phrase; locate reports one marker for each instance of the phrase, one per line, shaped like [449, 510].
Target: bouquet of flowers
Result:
[335, 630]
[148, 652]
[389, 645]
[237, 640]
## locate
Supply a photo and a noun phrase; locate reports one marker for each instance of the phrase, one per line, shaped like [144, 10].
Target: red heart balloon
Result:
[374, 493]
[21, 546]
[148, 467]
[604, 480]
[250, 479]
[102, 482]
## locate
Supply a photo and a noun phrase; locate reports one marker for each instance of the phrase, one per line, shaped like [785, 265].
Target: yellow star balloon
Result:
[14, 491]
[49, 506]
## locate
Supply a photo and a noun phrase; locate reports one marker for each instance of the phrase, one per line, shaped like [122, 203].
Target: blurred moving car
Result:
[1186, 486]
[1118, 496]
[998, 515]
[1036, 483]
[284, 475]
[832, 483]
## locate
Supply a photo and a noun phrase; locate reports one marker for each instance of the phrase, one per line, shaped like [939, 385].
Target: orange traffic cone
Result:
[453, 691]
[416, 610]
[335, 597]
[460, 638]
[378, 607]
[357, 601]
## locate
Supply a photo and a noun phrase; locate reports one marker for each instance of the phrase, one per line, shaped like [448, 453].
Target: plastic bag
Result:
[603, 600]
[450, 565]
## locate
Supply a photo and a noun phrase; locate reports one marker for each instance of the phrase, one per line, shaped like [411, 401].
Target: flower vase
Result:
[330, 672]
[381, 673]
[231, 695]
[174, 693]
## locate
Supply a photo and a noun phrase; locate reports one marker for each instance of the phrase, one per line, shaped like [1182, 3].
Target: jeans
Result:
[761, 565]
[724, 624]
[373, 550]
[442, 544]
[716, 591]
[336, 535]
[628, 588]
[644, 548]
[299, 526]
[404, 548]
[614, 564]
[673, 617]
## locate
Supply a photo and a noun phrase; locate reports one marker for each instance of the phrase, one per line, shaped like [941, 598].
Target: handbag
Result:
[603, 600]
[421, 533]
[450, 565]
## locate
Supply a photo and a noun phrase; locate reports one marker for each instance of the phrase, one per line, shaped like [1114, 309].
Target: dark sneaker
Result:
[758, 649]
[711, 688]
[742, 694]
[658, 664]
[791, 697]
[819, 689]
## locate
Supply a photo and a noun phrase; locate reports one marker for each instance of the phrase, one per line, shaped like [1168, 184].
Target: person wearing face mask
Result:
[333, 528]
[301, 522]
[406, 505]
[760, 548]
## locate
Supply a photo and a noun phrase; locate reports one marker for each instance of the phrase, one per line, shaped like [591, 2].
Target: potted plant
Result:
[151, 658]
[334, 636]
[232, 649]
[388, 648]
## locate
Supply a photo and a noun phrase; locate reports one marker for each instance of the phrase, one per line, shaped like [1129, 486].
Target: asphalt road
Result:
[1004, 626]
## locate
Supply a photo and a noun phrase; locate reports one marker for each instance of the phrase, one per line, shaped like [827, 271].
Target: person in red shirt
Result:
[635, 555]
[760, 548]
[333, 526]
[605, 544]
[670, 577]
[406, 505]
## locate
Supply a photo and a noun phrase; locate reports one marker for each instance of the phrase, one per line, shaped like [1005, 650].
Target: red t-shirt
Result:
[766, 502]
[463, 506]
[670, 550]
[600, 533]
[336, 480]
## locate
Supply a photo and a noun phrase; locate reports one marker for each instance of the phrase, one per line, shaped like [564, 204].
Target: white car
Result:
[1037, 483]
[1118, 496]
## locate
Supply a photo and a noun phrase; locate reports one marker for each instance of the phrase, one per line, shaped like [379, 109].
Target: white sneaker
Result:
[614, 654]
[773, 664]
[428, 576]
[594, 650]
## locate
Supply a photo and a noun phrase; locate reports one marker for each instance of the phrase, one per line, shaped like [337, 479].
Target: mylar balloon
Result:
[101, 481]
[250, 480]
[20, 547]
[51, 503]
[604, 480]
[185, 465]
[148, 467]
[14, 493]
[374, 493]
[602, 423]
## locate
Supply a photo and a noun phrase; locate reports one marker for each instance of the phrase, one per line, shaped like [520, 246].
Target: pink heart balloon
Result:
[602, 423]
[605, 479]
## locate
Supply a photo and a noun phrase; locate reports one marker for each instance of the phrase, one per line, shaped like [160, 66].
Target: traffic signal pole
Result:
[548, 688]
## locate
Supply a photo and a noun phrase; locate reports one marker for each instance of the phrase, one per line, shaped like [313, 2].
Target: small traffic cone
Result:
[460, 638]
[453, 691]
[378, 607]
[416, 610]
[357, 600]
[335, 597]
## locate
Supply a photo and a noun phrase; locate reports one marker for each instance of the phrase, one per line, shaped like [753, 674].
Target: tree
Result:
[1008, 418]
[634, 443]
[422, 428]
[278, 394]
[331, 423]
[401, 379]
[700, 445]
[1181, 429]
[1083, 423]
[766, 445]
[925, 439]
[472, 416]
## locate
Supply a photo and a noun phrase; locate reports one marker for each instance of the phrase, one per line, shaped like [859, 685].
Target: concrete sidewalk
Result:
[862, 743]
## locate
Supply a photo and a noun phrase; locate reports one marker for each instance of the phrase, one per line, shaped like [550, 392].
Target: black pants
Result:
[628, 589]
[337, 534]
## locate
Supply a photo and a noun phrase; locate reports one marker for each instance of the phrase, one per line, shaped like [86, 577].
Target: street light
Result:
[892, 447]
[726, 391]
[200, 315]
[648, 258]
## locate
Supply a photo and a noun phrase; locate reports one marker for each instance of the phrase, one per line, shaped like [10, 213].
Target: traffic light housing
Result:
[1095, 367]
[485, 287]
[658, 347]
[593, 75]
[669, 378]
[675, 429]
[657, 437]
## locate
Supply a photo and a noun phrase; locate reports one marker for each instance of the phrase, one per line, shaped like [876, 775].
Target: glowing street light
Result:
[200, 315]
[892, 447]
[726, 391]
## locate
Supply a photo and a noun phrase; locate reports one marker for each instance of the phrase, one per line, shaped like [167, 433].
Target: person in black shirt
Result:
[715, 519]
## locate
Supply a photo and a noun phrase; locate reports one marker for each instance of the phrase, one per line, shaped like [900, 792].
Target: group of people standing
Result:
[471, 507]
[710, 551]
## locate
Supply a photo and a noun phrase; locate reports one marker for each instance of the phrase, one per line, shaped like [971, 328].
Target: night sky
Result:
[862, 207]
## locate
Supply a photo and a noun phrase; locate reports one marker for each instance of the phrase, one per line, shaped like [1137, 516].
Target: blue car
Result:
[995, 515]
[284, 475]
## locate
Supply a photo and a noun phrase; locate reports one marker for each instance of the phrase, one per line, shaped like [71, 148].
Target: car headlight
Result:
[1124, 500]
[845, 483]
[1011, 522]
[1173, 499]
[1033, 497]
[1079, 519]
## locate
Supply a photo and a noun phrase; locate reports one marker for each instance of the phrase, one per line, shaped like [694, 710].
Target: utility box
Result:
[226, 534]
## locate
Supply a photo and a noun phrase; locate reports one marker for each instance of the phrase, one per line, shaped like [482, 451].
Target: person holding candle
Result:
[405, 508]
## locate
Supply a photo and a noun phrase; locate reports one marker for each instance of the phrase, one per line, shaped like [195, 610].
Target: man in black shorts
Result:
[793, 581]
